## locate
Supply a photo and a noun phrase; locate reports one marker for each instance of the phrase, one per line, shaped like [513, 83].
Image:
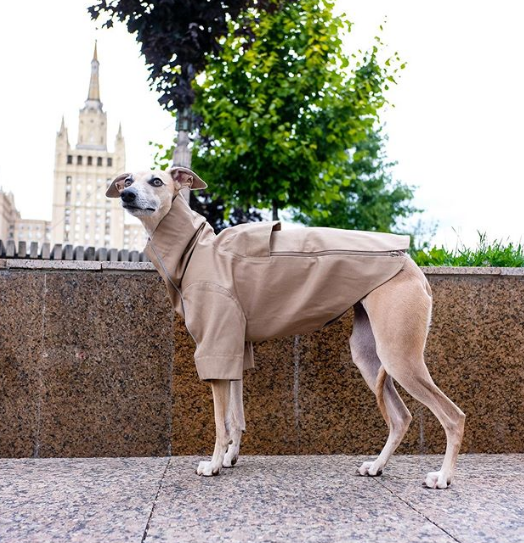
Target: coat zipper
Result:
[174, 285]
[336, 252]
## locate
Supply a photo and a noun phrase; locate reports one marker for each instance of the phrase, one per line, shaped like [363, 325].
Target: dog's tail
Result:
[379, 388]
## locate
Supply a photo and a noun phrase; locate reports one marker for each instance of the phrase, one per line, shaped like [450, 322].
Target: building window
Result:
[89, 160]
[99, 161]
[79, 159]
[110, 162]
[69, 180]
[70, 159]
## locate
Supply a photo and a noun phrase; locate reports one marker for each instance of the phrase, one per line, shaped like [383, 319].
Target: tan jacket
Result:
[254, 282]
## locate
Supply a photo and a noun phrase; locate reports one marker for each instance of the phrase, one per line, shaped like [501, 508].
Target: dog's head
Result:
[151, 193]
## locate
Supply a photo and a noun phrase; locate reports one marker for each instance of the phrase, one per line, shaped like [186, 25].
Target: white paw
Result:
[436, 479]
[207, 469]
[369, 469]
[231, 457]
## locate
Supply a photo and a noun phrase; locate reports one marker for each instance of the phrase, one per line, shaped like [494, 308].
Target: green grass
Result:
[494, 254]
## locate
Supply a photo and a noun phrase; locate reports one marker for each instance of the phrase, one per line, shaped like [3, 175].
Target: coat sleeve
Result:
[217, 324]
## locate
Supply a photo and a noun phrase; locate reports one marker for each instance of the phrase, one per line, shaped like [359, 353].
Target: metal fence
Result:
[32, 250]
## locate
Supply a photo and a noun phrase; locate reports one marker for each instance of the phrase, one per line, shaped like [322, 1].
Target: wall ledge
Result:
[89, 265]
[76, 265]
[470, 270]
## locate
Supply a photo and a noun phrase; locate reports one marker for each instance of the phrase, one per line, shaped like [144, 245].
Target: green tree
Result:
[176, 37]
[372, 201]
[283, 105]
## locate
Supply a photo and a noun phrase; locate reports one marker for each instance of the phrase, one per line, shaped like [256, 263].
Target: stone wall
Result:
[93, 362]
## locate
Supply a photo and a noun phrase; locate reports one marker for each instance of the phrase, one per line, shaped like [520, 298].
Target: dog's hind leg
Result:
[235, 423]
[221, 395]
[364, 354]
[399, 312]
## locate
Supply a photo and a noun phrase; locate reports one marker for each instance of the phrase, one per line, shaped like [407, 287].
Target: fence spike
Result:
[89, 253]
[10, 250]
[101, 254]
[46, 251]
[79, 252]
[67, 253]
[56, 253]
[33, 250]
[22, 249]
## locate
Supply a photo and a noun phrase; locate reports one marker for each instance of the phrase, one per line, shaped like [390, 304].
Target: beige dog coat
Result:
[254, 282]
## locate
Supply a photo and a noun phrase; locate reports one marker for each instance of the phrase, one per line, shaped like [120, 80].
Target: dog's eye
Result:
[157, 182]
[128, 182]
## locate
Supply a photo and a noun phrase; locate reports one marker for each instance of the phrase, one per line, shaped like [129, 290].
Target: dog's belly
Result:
[286, 295]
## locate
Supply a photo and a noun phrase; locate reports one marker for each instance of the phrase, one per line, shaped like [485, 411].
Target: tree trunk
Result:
[182, 152]
[182, 156]
[275, 210]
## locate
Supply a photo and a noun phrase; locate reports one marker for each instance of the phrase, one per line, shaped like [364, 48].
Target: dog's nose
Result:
[128, 196]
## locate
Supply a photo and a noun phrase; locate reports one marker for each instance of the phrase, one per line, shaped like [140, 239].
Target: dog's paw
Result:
[436, 479]
[231, 457]
[369, 469]
[207, 469]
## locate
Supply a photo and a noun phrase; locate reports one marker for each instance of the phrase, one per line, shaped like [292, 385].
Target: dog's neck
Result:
[173, 240]
[150, 223]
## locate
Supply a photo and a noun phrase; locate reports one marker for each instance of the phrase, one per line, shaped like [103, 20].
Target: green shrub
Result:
[486, 253]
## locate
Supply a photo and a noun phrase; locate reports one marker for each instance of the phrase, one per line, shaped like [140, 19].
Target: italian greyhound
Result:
[391, 321]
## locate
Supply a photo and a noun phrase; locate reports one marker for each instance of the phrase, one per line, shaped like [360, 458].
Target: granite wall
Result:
[93, 362]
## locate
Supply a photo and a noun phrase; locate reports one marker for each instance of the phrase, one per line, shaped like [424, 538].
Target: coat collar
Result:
[172, 243]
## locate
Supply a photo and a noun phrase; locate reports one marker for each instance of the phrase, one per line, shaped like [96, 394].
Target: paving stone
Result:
[310, 499]
[91, 500]
[282, 499]
[485, 503]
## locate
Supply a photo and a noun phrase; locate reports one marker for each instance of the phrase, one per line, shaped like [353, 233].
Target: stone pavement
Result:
[263, 499]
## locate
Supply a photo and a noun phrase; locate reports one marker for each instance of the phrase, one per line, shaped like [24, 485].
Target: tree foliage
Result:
[175, 37]
[282, 108]
[372, 201]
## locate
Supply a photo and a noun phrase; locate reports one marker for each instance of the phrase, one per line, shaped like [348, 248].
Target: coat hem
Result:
[227, 367]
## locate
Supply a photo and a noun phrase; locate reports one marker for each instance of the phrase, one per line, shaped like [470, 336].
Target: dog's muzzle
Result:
[128, 196]
[133, 204]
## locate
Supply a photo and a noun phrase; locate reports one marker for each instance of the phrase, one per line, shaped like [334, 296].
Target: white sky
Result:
[456, 130]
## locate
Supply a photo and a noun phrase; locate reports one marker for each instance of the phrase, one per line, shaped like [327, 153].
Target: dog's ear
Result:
[187, 178]
[117, 186]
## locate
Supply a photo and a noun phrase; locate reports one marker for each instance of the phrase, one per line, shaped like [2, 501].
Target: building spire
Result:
[92, 125]
[94, 87]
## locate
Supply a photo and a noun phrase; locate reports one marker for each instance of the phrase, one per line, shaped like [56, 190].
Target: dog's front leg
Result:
[235, 423]
[221, 393]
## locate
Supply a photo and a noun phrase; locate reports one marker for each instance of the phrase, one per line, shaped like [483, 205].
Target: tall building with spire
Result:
[82, 215]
